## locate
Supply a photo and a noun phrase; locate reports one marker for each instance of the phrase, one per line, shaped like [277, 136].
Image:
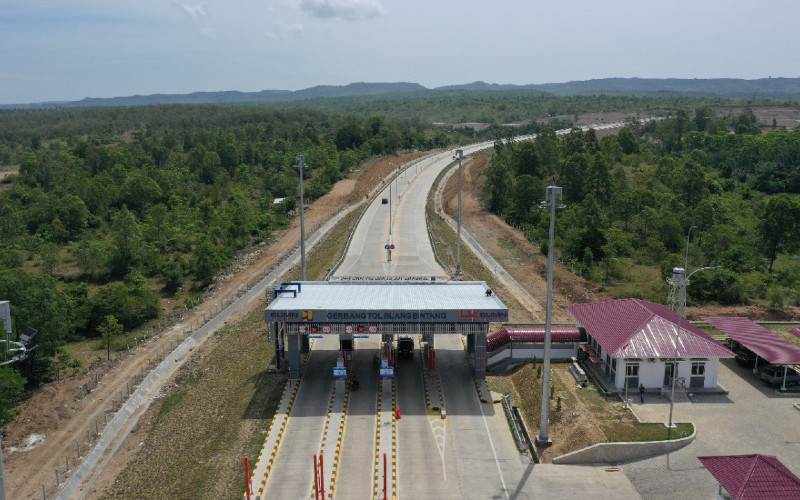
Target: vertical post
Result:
[626, 384]
[300, 163]
[543, 439]
[277, 346]
[459, 155]
[384, 476]
[247, 476]
[681, 307]
[2, 473]
[321, 477]
[316, 478]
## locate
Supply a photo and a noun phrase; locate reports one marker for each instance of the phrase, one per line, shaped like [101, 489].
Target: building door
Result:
[669, 370]
[632, 376]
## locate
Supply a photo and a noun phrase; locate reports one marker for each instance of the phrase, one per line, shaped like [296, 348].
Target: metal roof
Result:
[761, 341]
[795, 332]
[633, 328]
[753, 477]
[386, 302]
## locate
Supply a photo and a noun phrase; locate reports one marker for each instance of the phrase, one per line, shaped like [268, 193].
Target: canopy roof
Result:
[761, 341]
[633, 328]
[753, 477]
[385, 302]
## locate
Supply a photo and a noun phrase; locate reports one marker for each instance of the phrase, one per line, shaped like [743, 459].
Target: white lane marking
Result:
[439, 434]
[494, 453]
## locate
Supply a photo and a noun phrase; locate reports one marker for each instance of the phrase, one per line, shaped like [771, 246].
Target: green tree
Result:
[127, 237]
[498, 184]
[109, 329]
[627, 141]
[778, 226]
[527, 194]
[12, 388]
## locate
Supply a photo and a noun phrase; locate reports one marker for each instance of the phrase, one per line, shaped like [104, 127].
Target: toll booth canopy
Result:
[299, 309]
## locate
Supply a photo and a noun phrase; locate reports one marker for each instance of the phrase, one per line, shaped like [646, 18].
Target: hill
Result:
[766, 88]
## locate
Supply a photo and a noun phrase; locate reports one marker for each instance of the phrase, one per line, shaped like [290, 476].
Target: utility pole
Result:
[459, 155]
[300, 162]
[553, 200]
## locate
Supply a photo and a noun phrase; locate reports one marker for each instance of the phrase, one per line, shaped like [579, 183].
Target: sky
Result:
[57, 50]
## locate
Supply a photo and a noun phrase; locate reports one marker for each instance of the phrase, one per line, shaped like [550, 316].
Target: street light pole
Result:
[300, 162]
[459, 155]
[553, 199]
[684, 281]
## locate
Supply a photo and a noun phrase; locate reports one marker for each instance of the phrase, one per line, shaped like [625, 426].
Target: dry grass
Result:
[218, 409]
[582, 418]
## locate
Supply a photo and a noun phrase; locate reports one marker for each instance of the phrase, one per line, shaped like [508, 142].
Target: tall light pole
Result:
[300, 162]
[553, 200]
[459, 155]
[680, 275]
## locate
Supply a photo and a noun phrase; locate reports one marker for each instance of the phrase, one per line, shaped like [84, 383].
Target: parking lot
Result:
[752, 418]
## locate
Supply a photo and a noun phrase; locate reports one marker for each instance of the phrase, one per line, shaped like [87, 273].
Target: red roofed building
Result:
[634, 341]
[752, 477]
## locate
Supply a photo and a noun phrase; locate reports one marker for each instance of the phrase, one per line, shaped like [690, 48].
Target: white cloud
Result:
[281, 31]
[191, 10]
[350, 10]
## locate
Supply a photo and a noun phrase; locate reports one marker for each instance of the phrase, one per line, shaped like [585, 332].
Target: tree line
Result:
[631, 197]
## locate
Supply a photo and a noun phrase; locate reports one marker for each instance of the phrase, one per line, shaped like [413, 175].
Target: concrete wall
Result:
[521, 351]
[651, 374]
[612, 453]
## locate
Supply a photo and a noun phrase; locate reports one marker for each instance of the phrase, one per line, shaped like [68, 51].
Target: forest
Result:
[633, 198]
[115, 210]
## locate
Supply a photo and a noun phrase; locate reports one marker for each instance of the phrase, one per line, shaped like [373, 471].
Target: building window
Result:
[698, 378]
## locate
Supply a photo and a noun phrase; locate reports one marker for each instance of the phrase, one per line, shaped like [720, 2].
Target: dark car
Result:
[773, 374]
[384, 201]
[745, 357]
[405, 347]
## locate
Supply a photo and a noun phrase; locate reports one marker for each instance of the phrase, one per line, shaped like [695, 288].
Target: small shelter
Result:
[752, 477]
[525, 343]
[764, 343]
[632, 342]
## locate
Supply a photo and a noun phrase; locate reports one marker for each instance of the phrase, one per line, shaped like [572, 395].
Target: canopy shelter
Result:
[533, 335]
[388, 308]
[761, 341]
[752, 477]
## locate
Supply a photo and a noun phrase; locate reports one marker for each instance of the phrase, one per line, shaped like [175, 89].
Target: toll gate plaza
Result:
[351, 310]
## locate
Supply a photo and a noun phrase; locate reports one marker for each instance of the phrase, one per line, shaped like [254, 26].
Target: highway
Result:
[469, 454]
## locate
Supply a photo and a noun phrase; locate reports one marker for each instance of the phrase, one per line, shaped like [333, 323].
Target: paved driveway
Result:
[753, 418]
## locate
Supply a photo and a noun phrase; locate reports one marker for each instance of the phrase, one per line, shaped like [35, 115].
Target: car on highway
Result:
[405, 347]
[774, 374]
[384, 201]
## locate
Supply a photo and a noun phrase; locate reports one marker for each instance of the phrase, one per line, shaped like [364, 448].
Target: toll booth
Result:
[387, 308]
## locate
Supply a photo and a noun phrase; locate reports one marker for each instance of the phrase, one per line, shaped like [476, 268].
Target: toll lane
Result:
[293, 472]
